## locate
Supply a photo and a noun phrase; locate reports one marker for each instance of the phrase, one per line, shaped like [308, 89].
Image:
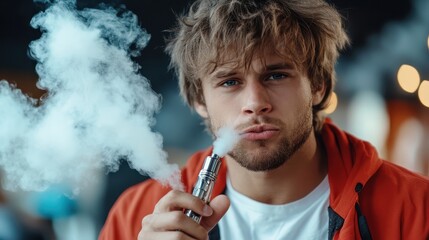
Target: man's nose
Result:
[256, 99]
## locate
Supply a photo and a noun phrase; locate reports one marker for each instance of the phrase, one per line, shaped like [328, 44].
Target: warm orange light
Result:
[408, 78]
[424, 93]
[333, 102]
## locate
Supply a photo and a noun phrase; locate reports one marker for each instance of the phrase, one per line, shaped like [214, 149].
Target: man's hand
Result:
[168, 220]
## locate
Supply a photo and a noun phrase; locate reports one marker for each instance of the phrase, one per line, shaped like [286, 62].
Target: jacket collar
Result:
[351, 163]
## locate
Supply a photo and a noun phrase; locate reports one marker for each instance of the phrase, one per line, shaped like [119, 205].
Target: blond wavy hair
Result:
[309, 33]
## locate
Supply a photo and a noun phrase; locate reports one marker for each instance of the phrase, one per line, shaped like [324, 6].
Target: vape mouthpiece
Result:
[205, 183]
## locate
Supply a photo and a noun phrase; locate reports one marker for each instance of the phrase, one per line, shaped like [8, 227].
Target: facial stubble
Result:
[271, 158]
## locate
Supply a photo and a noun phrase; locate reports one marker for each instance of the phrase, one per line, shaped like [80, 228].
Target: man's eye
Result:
[229, 83]
[276, 76]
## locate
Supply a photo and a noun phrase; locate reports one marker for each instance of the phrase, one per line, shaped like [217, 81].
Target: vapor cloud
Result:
[226, 140]
[97, 110]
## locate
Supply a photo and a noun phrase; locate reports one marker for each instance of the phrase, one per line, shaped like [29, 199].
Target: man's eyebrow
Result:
[270, 67]
[276, 66]
[224, 73]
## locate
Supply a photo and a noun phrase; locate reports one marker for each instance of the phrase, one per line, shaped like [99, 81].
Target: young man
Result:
[267, 69]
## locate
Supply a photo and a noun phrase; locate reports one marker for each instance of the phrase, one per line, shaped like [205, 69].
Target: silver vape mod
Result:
[206, 180]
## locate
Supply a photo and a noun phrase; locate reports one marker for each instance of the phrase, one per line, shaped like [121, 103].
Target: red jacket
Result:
[369, 196]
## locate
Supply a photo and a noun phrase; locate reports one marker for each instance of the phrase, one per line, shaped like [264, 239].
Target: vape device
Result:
[205, 183]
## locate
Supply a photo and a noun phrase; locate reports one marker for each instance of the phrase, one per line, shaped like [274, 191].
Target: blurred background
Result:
[382, 95]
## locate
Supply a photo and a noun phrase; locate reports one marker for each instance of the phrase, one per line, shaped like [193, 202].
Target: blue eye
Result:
[229, 83]
[276, 76]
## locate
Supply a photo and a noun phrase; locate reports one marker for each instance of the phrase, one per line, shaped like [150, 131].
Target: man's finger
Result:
[177, 221]
[177, 200]
[220, 205]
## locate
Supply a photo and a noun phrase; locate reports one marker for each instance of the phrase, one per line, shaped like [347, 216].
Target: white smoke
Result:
[98, 108]
[226, 139]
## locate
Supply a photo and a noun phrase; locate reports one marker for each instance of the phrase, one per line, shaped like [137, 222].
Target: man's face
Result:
[268, 104]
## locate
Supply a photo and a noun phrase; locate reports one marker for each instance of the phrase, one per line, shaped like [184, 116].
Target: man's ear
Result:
[319, 94]
[201, 109]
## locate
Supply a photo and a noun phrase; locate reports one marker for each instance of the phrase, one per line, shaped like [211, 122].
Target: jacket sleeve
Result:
[124, 219]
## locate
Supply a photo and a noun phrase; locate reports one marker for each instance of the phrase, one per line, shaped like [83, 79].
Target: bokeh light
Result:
[408, 78]
[424, 93]
[333, 102]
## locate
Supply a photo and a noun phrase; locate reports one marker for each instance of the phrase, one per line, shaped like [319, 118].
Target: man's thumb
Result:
[220, 205]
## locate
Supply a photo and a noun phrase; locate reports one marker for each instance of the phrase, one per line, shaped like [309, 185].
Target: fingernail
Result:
[207, 210]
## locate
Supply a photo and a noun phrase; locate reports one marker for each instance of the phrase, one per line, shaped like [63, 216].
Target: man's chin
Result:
[258, 158]
[262, 165]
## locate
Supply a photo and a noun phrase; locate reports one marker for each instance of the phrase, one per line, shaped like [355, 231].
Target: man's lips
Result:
[259, 132]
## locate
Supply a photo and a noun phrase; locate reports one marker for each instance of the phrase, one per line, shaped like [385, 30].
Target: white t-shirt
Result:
[304, 219]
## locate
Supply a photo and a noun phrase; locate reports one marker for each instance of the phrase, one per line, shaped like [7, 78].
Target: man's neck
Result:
[293, 180]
